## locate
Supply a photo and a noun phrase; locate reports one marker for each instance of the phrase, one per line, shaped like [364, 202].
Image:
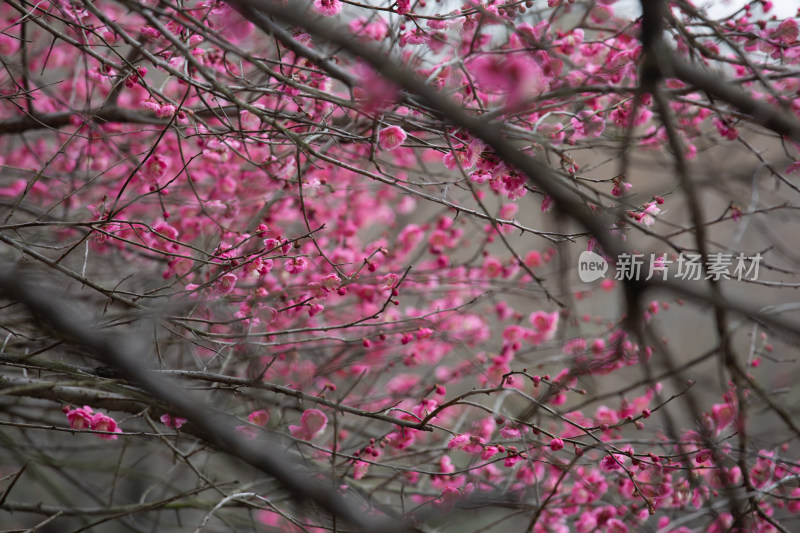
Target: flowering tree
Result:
[336, 266]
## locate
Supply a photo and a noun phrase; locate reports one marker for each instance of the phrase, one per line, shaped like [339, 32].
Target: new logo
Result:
[591, 267]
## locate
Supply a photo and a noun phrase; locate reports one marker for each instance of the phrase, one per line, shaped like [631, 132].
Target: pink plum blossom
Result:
[545, 324]
[391, 137]
[329, 8]
[102, 422]
[588, 124]
[515, 75]
[226, 283]
[312, 424]
[172, 421]
[259, 417]
[80, 418]
[296, 265]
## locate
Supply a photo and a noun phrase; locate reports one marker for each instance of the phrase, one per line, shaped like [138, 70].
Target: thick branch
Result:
[773, 118]
[127, 354]
[62, 119]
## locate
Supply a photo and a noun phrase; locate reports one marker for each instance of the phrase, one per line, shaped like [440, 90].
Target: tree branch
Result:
[126, 354]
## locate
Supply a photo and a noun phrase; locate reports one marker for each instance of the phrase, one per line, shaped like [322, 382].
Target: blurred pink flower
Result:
[312, 424]
[259, 418]
[391, 137]
[328, 8]
[172, 421]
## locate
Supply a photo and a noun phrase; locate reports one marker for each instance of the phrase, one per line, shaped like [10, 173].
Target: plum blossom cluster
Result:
[353, 274]
[85, 418]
